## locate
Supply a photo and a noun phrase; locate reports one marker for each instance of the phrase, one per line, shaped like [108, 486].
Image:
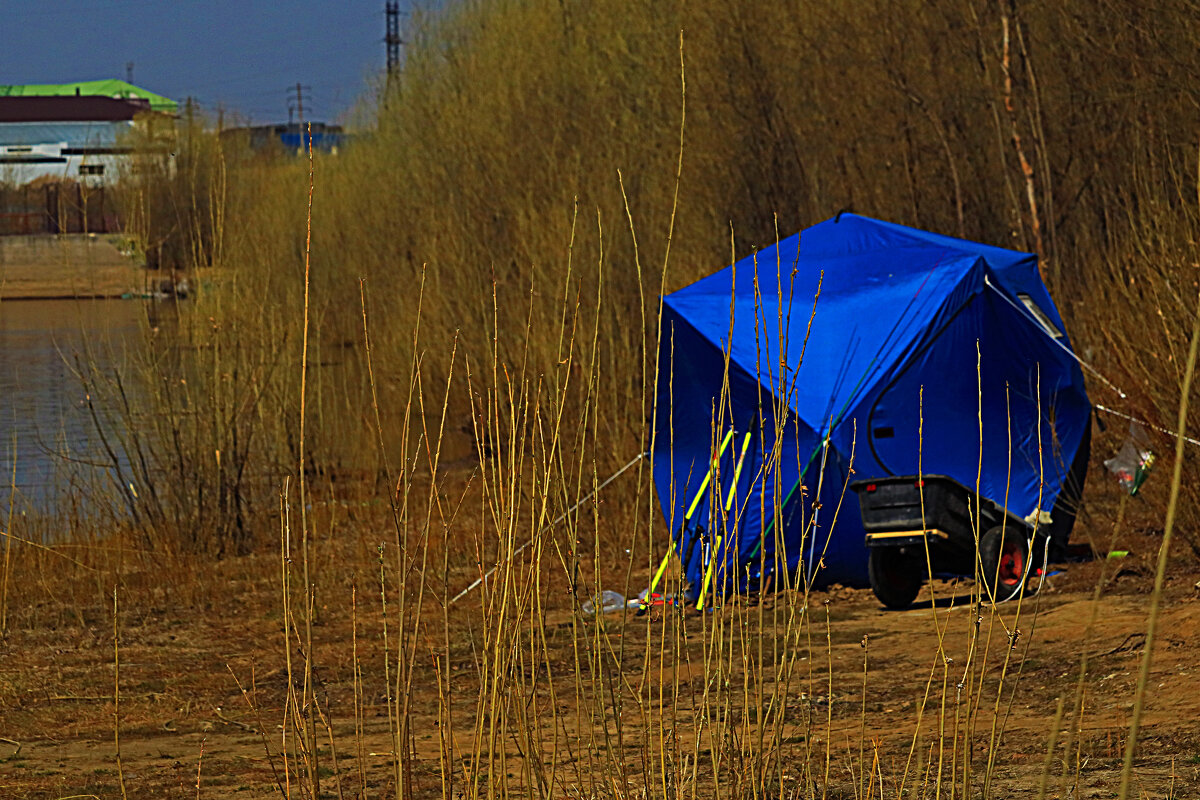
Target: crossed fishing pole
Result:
[823, 441]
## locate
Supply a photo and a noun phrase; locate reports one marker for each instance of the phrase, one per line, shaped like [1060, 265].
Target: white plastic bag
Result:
[1134, 461]
[607, 602]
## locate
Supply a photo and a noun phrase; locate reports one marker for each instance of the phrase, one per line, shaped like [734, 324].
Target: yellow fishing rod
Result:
[712, 466]
[737, 472]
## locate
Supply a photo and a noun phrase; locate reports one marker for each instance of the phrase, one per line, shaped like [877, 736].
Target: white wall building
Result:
[84, 138]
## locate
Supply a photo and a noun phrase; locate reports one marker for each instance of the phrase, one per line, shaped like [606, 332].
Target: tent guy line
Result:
[1025, 314]
[547, 527]
[1149, 425]
[1094, 371]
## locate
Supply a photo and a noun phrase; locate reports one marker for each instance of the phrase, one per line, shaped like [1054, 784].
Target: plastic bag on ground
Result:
[606, 601]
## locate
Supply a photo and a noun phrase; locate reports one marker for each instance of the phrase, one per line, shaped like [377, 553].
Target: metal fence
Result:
[57, 208]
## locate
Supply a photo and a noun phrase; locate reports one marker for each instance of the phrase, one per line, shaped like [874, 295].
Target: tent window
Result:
[1040, 316]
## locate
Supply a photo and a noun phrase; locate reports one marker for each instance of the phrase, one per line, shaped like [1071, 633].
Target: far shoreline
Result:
[71, 266]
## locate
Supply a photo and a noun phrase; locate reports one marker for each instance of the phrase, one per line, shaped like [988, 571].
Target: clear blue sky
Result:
[240, 54]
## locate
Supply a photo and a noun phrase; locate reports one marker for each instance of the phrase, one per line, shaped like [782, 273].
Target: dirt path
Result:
[183, 718]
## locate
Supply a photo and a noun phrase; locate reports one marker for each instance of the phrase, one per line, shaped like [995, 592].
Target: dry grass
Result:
[507, 167]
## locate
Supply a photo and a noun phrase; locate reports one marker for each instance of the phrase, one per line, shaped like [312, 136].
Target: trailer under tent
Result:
[857, 349]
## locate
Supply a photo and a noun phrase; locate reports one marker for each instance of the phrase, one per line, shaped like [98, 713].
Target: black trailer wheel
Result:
[895, 574]
[1004, 561]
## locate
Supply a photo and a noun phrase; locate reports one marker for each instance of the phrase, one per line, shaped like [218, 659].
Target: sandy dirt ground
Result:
[187, 654]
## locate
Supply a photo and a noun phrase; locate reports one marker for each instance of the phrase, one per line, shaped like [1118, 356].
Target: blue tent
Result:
[815, 359]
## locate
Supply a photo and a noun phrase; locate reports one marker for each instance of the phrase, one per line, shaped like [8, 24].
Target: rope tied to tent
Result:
[1024, 313]
[479, 581]
[1150, 425]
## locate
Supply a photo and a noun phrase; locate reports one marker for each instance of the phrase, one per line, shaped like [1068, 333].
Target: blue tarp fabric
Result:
[854, 349]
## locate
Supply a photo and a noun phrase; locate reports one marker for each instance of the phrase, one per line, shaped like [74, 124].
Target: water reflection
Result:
[48, 442]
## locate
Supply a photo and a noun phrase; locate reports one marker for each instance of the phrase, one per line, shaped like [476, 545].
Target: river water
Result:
[49, 447]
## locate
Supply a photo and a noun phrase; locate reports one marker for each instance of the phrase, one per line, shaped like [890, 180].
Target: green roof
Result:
[108, 88]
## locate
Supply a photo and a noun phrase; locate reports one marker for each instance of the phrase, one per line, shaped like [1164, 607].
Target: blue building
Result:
[290, 137]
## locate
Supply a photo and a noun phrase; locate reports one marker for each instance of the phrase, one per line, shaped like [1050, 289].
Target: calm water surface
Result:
[48, 442]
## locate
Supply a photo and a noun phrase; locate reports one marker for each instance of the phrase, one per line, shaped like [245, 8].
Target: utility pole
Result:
[300, 89]
[393, 39]
[300, 103]
[129, 72]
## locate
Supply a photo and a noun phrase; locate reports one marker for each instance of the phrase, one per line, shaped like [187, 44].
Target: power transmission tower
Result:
[301, 92]
[393, 39]
[297, 95]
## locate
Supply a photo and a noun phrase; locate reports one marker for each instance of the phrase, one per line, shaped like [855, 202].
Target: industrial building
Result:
[75, 131]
